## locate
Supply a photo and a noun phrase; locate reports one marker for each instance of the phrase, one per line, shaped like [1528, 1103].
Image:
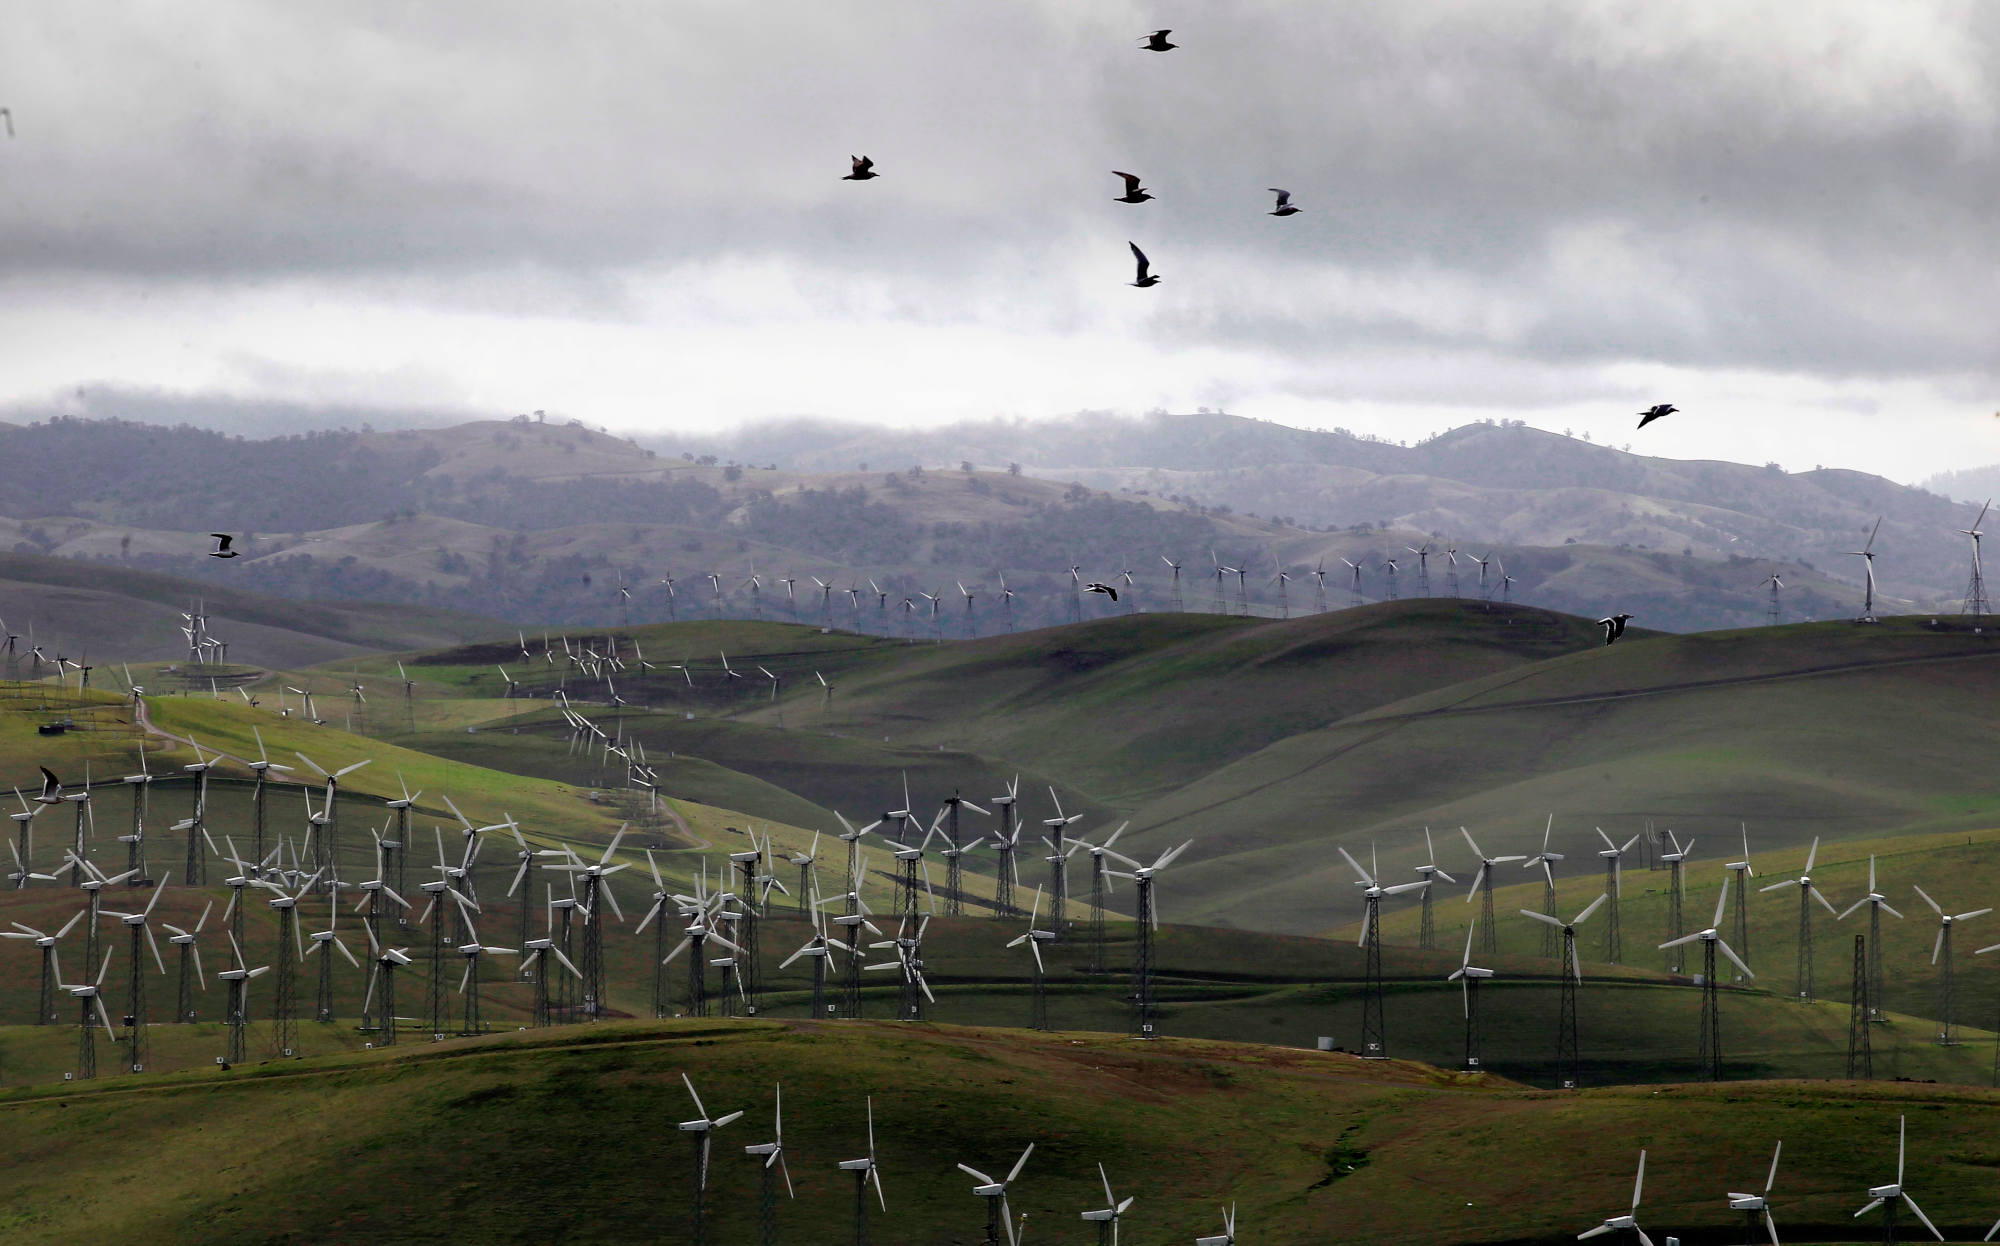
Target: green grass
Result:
[1828, 729]
[458, 1141]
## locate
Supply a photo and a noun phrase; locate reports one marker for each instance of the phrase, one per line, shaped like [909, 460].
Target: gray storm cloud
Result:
[1794, 188]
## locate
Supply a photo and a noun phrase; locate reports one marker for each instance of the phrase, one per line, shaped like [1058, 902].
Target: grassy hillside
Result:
[118, 613]
[1816, 729]
[453, 1142]
[1120, 708]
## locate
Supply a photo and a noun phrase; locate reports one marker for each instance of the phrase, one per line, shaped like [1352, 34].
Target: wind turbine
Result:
[1777, 586]
[140, 924]
[865, 1170]
[773, 1155]
[191, 975]
[1975, 588]
[1058, 862]
[262, 768]
[1947, 994]
[1468, 976]
[1427, 928]
[1613, 856]
[1374, 1045]
[1744, 873]
[1038, 1009]
[1867, 556]
[90, 996]
[1147, 919]
[329, 839]
[995, 1193]
[1354, 580]
[1175, 591]
[1757, 1207]
[1572, 974]
[1482, 886]
[195, 872]
[701, 1133]
[1878, 904]
[1891, 1197]
[1807, 894]
[1676, 893]
[1100, 891]
[1107, 1217]
[1710, 1053]
[1630, 1220]
[1319, 587]
[1546, 860]
[1228, 1235]
[45, 1013]
[1451, 570]
[1423, 567]
[1005, 843]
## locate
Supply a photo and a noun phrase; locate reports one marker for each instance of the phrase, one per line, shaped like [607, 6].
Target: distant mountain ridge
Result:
[545, 523]
[1487, 483]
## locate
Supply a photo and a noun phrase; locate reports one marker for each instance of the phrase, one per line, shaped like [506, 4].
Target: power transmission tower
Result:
[1860, 1059]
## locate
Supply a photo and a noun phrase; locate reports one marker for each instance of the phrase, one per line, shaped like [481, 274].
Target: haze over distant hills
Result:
[543, 523]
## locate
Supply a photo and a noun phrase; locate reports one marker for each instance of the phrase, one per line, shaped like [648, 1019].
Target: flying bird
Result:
[1157, 42]
[1614, 627]
[51, 786]
[1146, 277]
[1106, 589]
[1284, 207]
[864, 168]
[1655, 412]
[222, 550]
[7, 115]
[1134, 193]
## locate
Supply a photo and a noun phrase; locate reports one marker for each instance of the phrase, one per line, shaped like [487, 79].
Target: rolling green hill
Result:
[459, 1142]
[1820, 729]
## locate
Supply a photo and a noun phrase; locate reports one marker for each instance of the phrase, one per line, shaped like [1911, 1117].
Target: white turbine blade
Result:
[1542, 917]
[1683, 939]
[1870, 1207]
[1938, 947]
[1721, 900]
[1823, 901]
[1639, 1183]
[1773, 1178]
[1592, 908]
[1737, 961]
[1927, 899]
[1921, 1216]
[1812, 855]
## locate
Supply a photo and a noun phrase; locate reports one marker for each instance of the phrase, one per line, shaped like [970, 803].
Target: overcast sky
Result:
[1779, 216]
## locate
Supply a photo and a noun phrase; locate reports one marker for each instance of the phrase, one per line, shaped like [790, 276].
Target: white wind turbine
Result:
[998, 1214]
[1891, 1197]
[865, 1170]
[1482, 885]
[1427, 928]
[1878, 904]
[773, 1155]
[1941, 957]
[701, 1131]
[1807, 894]
[1867, 556]
[1107, 1217]
[1630, 1220]
[1228, 1235]
[1468, 977]
[1546, 860]
[1757, 1207]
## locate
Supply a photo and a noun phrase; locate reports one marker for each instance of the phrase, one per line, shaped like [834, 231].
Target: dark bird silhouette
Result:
[1658, 411]
[222, 550]
[1146, 277]
[1106, 589]
[1284, 207]
[51, 786]
[7, 115]
[864, 168]
[1134, 193]
[1157, 42]
[1614, 627]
